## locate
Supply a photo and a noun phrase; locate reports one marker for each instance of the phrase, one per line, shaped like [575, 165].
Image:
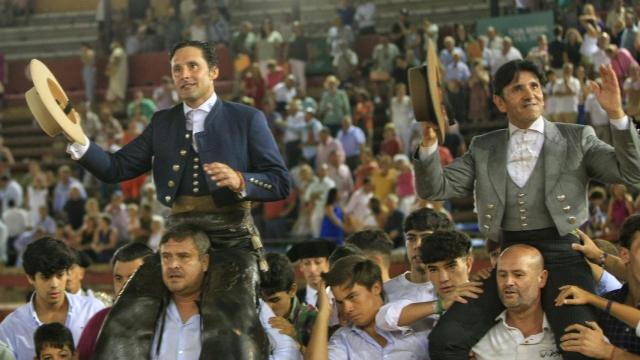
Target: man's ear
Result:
[376, 289]
[469, 262]
[31, 280]
[542, 281]
[624, 255]
[205, 262]
[293, 290]
[214, 72]
[499, 102]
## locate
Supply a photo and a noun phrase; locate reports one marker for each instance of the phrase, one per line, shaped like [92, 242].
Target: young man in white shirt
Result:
[414, 285]
[46, 263]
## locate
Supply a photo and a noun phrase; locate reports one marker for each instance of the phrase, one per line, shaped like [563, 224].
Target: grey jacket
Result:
[572, 156]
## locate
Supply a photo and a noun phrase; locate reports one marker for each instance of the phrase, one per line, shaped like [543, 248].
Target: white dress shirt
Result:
[353, 343]
[504, 342]
[16, 330]
[182, 340]
[195, 117]
[523, 150]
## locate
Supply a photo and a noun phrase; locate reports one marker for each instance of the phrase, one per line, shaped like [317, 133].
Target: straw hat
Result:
[426, 93]
[51, 106]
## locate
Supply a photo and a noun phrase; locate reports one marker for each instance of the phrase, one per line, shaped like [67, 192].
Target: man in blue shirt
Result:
[352, 139]
[46, 262]
[185, 256]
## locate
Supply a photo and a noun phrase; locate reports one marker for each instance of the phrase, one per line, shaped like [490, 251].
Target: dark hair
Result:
[509, 71]
[188, 230]
[106, 218]
[629, 228]
[279, 277]
[444, 245]
[55, 335]
[375, 206]
[344, 251]
[80, 258]
[425, 219]
[332, 196]
[130, 252]
[373, 241]
[557, 30]
[208, 53]
[47, 256]
[352, 270]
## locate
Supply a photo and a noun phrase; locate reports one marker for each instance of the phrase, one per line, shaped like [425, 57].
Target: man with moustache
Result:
[522, 328]
[185, 255]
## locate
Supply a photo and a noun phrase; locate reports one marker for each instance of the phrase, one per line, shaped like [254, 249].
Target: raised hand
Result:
[608, 94]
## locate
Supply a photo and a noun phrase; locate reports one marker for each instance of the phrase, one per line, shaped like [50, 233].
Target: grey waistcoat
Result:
[525, 207]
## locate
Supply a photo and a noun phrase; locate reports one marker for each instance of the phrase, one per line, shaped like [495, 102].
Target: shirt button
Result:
[195, 167]
[171, 183]
[561, 197]
[521, 202]
[195, 190]
[491, 206]
[187, 135]
[571, 219]
[522, 211]
[195, 175]
[520, 195]
[196, 159]
[176, 168]
[183, 152]
[566, 208]
[167, 198]
[196, 183]
[525, 224]
[488, 217]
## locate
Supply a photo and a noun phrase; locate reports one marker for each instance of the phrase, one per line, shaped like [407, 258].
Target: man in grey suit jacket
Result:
[530, 182]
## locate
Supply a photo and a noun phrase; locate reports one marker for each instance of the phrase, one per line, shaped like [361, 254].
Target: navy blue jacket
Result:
[235, 134]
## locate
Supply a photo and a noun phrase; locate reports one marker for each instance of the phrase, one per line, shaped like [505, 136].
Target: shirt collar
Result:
[34, 314]
[205, 106]
[537, 125]
[503, 318]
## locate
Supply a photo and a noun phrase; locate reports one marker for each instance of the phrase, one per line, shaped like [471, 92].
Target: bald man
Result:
[522, 328]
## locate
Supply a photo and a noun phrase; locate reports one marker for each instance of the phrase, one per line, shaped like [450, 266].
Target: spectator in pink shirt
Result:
[405, 187]
[326, 146]
[621, 62]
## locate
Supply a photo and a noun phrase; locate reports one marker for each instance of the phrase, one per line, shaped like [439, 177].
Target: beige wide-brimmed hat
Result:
[426, 92]
[50, 105]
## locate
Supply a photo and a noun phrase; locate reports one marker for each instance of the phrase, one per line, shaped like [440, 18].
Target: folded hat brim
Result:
[50, 105]
[426, 93]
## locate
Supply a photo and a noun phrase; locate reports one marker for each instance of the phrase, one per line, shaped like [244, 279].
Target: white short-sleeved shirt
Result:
[504, 342]
[401, 292]
[567, 104]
